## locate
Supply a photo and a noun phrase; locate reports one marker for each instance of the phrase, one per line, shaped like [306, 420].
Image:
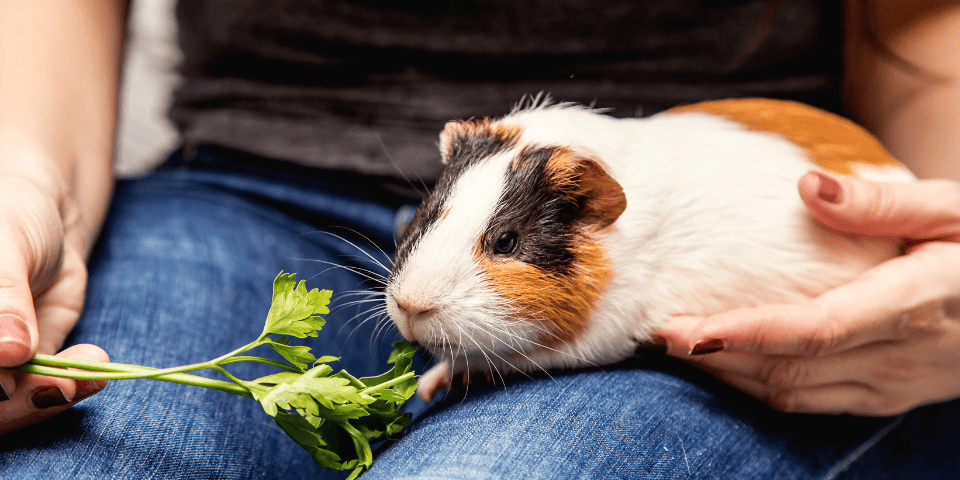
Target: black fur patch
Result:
[537, 210]
[542, 215]
[468, 146]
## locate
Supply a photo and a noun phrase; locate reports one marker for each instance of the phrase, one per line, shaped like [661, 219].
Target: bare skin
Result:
[57, 124]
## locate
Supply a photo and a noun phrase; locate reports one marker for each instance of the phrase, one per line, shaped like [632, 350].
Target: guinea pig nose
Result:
[415, 312]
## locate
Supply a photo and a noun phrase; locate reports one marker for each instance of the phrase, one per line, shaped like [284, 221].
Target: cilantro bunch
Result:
[334, 416]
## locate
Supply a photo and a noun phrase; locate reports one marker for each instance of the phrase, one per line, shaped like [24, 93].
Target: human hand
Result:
[42, 283]
[882, 344]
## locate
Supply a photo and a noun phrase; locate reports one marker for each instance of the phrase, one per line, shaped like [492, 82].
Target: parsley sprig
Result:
[334, 416]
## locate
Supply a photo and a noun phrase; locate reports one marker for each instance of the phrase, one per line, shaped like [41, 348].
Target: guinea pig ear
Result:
[481, 137]
[451, 131]
[602, 196]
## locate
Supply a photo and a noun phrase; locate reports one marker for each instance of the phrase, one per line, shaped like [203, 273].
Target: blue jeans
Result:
[182, 274]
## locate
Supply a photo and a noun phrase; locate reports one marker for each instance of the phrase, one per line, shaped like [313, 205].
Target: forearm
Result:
[912, 106]
[59, 76]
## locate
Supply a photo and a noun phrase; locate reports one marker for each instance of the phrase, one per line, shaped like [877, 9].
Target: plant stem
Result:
[266, 361]
[131, 371]
[388, 384]
[119, 374]
[42, 364]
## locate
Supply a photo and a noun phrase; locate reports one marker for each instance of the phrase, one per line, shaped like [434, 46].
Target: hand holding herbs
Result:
[334, 416]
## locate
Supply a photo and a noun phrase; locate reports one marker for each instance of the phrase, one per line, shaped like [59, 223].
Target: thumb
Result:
[31, 253]
[921, 210]
[19, 337]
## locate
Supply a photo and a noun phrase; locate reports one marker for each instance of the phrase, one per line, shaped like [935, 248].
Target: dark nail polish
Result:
[654, 346]
[828, 189]
[3, 394]
[710, 346]
[85, 388]
[46, 397]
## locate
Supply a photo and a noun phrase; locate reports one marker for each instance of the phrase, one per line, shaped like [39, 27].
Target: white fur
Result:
[442, 274]
[713, 222]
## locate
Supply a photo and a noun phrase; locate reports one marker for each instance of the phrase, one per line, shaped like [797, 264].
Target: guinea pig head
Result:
[504, 258]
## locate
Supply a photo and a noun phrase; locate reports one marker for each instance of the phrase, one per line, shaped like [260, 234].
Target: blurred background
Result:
[144, 135]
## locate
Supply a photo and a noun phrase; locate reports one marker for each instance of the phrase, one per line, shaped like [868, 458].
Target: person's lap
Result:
[183, 274]
[639, 419]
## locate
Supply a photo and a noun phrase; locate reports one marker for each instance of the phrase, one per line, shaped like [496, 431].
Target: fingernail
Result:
[710, 346]
[654, 346]
[46, 397]
[828, 188]
[85, 388]
[14, 335]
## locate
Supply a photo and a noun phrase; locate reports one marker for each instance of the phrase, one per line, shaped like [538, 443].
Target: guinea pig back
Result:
[560, 237]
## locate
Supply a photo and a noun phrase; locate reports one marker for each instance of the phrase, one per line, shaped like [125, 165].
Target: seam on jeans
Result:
[855, 455]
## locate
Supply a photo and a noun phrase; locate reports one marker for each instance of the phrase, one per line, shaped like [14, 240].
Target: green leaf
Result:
[362, 444]
[308, 437]
[302, 392]
[402, 358]
[277, 378]
[298, 356]
[294, 309]
[324, 443]
[327, 359]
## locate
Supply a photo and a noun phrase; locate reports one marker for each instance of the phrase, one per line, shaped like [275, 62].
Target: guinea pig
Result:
[560, 237]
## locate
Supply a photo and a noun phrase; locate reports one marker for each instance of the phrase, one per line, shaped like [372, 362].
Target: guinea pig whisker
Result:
[526, 357]
[393, 161]
[383, 322]
[371, 297]
[364, 252]
[505, 331]
[504, 360]
[545, 332]
[363, 260]
[519, 350]
[377, 295]
[358, 302]
[359, 271]
[367, 316]
[490, 363]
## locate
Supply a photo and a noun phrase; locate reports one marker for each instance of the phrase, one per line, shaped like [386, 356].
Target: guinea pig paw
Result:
[437, 377]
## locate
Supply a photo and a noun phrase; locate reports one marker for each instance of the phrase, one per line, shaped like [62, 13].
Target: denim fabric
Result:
[182, 273]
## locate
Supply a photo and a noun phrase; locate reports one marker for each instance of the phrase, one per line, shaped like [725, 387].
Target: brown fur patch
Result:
[581, 175]
[456, 130]
[559, 304]
[834, 143]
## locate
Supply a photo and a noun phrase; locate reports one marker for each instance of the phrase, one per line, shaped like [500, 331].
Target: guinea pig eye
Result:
[506, 243]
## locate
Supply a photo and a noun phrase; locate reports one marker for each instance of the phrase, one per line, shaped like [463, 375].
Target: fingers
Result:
[895, 300]
[877, 379]
[18, 322]
[59, 306]
[922, 210]
[851, 398]
[30, 257]
[32, 398]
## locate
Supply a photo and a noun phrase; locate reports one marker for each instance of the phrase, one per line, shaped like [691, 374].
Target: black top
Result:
[367, 85]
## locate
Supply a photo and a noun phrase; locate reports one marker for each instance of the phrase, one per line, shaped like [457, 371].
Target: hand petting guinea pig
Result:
[559, 237]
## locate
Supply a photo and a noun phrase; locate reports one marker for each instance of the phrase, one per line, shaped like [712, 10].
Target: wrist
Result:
[23, 158]
[78, 189]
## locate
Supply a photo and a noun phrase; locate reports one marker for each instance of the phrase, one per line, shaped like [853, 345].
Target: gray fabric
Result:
[366, 86]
